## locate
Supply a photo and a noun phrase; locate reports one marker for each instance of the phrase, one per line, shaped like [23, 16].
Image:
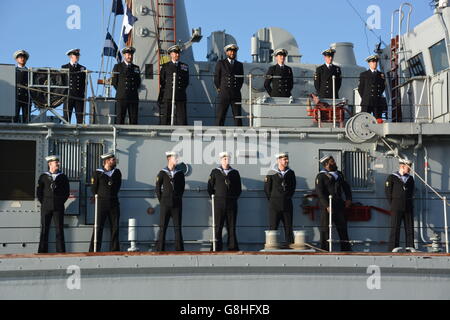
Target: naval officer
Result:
[399, 191]
[106, 183]
[229, 79]
[77, 87]
[225, 184]
[279, 78]
[170, 184]
[372, 84]
[22, 93]
[166, 88]
[127, 80]
[323, 78]
[53, 190]
[279, 187]
[331, 181]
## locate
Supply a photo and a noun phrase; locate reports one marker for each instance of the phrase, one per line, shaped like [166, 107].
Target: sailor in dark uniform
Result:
[225, 184]
[53, 190]
[372, 84]
[22, 93]
[400, 194]
[127, 80]
[77, 87]
[330, 181]
[279, 78]
[323, 78]
[106, 183]
[166, 88]
[279, 187]
[228, 79]
[170, 184]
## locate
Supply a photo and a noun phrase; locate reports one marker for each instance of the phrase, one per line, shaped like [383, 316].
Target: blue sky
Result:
[40, 26]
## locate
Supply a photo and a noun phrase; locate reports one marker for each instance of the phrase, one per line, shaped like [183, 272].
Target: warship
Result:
[415, 62]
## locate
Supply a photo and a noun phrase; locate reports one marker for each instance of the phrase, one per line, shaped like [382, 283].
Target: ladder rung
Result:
[170, 41]
[169, 29]
[166, 4]
[167, 17]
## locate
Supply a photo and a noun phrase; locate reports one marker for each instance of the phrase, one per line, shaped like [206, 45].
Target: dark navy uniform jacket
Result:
[225, 186]
[22, 95]
[53, 193]
[371, 88]
[77, 80]
[181, 84]
[400, 192]
[323, 81]
[126, 80]
[279, 87]
[280, 189]
[334, 184]
[226, 81]
[170, 187]
[107, 184]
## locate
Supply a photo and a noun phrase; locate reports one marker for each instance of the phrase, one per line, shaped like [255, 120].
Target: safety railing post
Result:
[446, 225]
[174, 86]
[330, 224]
[334, 101]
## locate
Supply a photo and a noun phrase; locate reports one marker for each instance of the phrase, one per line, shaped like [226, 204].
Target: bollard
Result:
[272, 240]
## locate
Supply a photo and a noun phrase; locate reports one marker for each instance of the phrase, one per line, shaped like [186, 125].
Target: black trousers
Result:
[222, 110]
[165, 116]
[340, 222]
[286, 216]
[124, 106]
[376, 110]
[109, 211]
[46, 220]
[78, 106]
[396, 221]
[175, 213]
[225, 213]
[26, 110]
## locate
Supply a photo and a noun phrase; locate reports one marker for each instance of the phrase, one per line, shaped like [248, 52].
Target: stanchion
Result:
[330, 224]
[174, 86]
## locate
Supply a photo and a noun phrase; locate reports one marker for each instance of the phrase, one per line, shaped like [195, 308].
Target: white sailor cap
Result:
[128, 50]
[231, 47]
[282, 52]
[329, 52]
[175, 48]
[405, 161]
[21, 53]
[224, 155]
[107, 156]
[171, 154]
[325, 158]
[52, 158]
[282, 155]
[373, 58]
[75, 52]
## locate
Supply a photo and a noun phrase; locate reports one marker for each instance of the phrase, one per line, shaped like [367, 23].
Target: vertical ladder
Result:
[395, 81]
[166, 16]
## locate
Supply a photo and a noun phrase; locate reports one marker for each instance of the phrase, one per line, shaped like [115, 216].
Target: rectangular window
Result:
[356, 168]
[70, 153]
[94, 151]
[416, 66]
[439, 56]
[18, 170]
